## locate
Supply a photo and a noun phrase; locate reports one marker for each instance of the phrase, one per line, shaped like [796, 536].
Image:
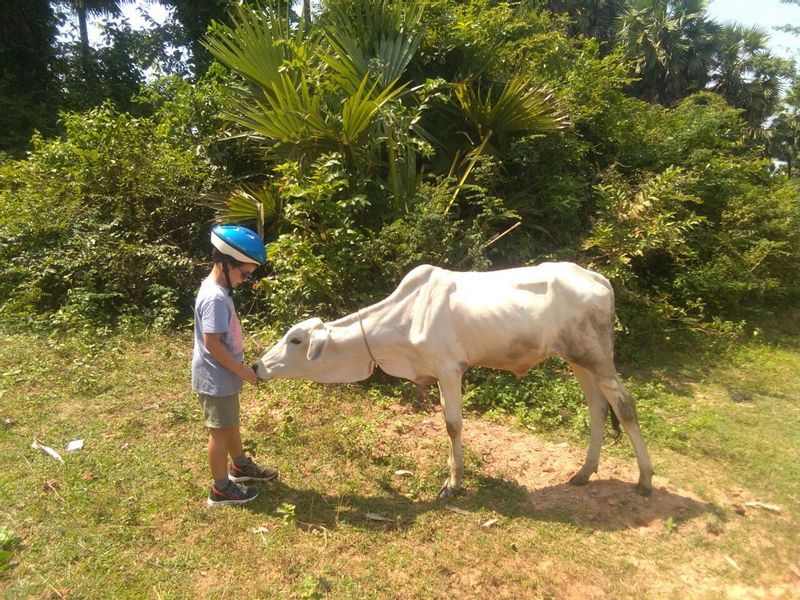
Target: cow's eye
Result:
[295, 341]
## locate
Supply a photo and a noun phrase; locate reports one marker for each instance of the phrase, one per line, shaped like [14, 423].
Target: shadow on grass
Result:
[611, 505]
[602, 505]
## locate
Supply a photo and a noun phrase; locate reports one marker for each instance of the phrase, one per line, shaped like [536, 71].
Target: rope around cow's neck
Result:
[364, 335]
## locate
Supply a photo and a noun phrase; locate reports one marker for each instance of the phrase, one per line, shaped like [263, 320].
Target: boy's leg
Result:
[235, 447]
[224, 491]
[218, 454]
[243, 468]
[221, 417]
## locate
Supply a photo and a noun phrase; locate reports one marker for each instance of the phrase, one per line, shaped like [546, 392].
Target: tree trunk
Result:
[84, 33]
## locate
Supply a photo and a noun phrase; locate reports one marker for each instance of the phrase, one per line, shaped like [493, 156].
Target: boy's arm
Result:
[226, 359]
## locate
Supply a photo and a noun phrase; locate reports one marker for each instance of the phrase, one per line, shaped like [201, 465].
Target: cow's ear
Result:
[319, 339]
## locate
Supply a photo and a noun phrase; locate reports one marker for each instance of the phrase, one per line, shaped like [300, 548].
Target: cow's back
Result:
[514, 318]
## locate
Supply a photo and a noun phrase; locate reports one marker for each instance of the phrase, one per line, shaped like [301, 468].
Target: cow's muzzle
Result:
[260, 371]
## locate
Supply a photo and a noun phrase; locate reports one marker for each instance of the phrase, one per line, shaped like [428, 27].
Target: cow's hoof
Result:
[580, 478]
[447, 491]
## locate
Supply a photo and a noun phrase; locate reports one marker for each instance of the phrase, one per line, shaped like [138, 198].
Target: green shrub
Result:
[337, 249]
[8, 543]
[690, 227]
[547, 398]
[455, 239]
[749, 255]
[106, 221]
[319, 258]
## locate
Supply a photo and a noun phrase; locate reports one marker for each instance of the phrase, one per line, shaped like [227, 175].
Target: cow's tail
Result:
[614, 424]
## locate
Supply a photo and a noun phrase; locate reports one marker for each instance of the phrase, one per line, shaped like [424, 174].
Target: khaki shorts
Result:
[220, 411]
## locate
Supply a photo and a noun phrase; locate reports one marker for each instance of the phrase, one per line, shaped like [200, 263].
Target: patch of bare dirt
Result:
[543, 469]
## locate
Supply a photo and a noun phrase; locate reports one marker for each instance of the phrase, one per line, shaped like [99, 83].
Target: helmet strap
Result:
[227, 277]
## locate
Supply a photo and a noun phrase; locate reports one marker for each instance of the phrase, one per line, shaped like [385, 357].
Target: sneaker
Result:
[233, 494]
[250, 471]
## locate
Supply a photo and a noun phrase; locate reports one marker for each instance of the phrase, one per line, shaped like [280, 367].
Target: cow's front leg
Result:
[450, 397]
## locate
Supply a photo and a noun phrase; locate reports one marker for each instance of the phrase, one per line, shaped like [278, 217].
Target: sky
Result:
[766, 13]
[132, 12]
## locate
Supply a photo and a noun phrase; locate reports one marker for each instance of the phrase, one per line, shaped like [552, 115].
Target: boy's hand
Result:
[248, 374]
[226, 359]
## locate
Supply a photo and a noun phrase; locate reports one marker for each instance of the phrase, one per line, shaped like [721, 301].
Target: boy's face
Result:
[241, 273]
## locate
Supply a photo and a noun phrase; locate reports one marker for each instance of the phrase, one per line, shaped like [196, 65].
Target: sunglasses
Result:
[245, 273]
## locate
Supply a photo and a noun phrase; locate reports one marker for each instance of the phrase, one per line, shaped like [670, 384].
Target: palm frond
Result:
[360, 109]
[372, 37]
[247, 205]
[520, 107]
[253, 46]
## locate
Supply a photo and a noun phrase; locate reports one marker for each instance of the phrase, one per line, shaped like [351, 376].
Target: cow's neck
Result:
[346, 360]
[382, 340]
[348, 335]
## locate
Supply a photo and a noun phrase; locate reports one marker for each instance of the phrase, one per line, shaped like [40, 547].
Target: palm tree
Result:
[379, 38]
[327, 89]
[85, 8]
[590, 18]
[671, 44]
[195, 17]
[783, 139]
[342, 87]
[519, 106]
[287, 102]
[746, 74]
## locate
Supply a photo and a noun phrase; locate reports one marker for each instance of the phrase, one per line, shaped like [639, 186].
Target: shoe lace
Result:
[235, 491]
[249, 464]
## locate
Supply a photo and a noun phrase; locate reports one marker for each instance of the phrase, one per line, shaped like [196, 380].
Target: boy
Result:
[217, 369]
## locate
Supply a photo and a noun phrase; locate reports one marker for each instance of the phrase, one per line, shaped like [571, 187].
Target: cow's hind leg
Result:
[598, 411]
[450, 397]
[624, 406]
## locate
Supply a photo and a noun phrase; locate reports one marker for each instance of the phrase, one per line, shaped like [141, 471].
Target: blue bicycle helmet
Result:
[239, 243]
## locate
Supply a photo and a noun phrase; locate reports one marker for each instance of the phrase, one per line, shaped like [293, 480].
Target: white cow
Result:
[438, 323]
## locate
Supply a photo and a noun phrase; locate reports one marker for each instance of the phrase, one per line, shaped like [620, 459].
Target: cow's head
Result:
[308, 352]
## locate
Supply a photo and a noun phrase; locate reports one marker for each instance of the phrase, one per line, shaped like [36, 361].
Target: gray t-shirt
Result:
[214, 313]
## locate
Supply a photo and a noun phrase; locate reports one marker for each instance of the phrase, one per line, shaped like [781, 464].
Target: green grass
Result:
[126, 516]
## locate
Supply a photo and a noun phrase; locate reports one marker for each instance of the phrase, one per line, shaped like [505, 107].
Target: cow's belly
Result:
[517, 356]
[511, 330]
[519, 365]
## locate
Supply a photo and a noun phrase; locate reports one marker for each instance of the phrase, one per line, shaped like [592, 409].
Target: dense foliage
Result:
[105, 222]
[28, 90]
[377, 136]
